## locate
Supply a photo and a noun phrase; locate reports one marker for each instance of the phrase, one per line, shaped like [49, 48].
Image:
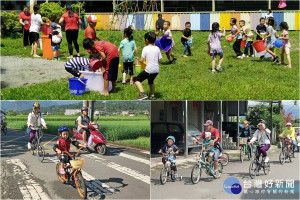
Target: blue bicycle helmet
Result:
[171, 137]
[63, 128]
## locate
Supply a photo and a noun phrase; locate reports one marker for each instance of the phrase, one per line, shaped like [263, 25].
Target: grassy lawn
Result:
[129, 131]
[190, 78]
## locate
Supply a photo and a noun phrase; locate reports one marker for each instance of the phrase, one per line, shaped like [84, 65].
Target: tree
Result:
[53, 11]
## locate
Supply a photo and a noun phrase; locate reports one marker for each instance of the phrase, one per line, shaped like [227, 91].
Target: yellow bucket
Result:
[143, 65]
[78, 163]
[119, 69]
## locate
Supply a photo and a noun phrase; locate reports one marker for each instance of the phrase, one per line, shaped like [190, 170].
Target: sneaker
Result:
[213, 71]
[190, 54]
[266, 159]
[220, 155]
[244, 56]
[185, 56]
[123, 82]
[252, 55]
[29, 146]
[174, 60]
[213, 172]
[219, 68]
[142, 97]
[170, 62]
[275, 60]
[262, 57]
[152, 98]
[62, 171]
[175, 176]
[240, 57]
[131, 82]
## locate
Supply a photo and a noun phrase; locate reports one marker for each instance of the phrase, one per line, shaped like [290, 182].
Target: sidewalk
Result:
[192, 157]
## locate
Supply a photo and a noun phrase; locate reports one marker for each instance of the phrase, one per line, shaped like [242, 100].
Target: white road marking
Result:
[29, 188]
[142, 160]
[4, 142]
[133, 173]
[92, 183]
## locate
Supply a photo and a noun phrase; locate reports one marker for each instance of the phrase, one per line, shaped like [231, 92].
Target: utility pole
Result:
[162, 6]
[91, 110]
[213, 5]
[269, 4]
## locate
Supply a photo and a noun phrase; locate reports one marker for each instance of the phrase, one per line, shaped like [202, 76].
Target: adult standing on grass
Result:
[72, 21]
[34, 31]
[25, 19]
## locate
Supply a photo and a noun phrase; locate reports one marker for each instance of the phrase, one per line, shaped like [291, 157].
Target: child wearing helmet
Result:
[171, 148]
[56, 38]
[83, 121]
[34, 121]
[63, 144]
[208, 145]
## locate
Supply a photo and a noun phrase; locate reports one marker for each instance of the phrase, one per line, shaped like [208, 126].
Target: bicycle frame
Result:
[208, 165]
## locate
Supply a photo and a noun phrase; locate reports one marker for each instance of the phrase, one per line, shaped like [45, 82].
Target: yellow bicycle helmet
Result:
[36, 105]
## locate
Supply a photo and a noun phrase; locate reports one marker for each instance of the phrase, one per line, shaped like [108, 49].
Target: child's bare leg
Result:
[282, 57]
[61, 165]
[139, 86]
[213, 63]
[113, 89]
[171, 53]
[124, 76]
[34, 48]
[221, 60]
[168, 56]
[152, 90]
[270, 51]
[105, 88]
[57, 53]
[288, 56]
[54, 54]
[131, 78]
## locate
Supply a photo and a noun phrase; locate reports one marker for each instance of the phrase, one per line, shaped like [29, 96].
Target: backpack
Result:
[76, 121]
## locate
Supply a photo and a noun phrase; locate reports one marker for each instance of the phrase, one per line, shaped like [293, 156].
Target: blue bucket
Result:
[278, 43]
[191, 41]
[164, 43]
[77, 86]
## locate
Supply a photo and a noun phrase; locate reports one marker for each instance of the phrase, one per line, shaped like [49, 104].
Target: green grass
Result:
[112, 130]
[189, 78]
[142, 142]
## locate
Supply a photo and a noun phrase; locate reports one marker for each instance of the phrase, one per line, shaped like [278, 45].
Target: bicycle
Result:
[167, 169]
[37, 146]
[245, 150]
[286, 153]
[224, 159]
[209, 166]
[256, 165]
[73, 171]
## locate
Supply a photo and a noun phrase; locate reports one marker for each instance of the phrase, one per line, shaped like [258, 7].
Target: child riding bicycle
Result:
[35, 119]
[208, 145]
[262, 135]
[63, 144]
[171, 148]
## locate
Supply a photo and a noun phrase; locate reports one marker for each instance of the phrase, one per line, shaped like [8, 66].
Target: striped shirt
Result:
[79, 63]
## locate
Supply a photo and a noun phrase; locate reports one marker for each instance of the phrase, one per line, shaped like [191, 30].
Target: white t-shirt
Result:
[36, 20]
[35, 120]
[169, 34]
[268, 15]
[234, 31]
[152, 55]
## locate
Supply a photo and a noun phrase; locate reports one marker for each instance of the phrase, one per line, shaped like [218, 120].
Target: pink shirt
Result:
[71, 22]
[286, 43]
[214, 134]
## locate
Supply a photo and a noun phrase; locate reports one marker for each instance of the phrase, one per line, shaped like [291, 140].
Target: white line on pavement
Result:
[145, 161]
[13, 139]
[133, 173]
[29, 188]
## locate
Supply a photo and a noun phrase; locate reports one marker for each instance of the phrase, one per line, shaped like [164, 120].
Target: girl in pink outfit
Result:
[286, 44]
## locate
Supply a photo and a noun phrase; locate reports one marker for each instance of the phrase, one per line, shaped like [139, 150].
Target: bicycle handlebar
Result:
[74, 154]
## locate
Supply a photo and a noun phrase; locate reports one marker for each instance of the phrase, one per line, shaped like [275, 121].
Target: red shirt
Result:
[64, 145]
[27, 18]
[109, 49]
[70, 22]
[214, 134]
[90, 33]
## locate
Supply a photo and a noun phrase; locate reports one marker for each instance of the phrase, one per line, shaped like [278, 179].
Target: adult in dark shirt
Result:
[159, 24]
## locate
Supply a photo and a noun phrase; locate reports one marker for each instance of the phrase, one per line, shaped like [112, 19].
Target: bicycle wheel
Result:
[267, 168]
[242, 153]
[196, 174]
[61, 177]
[80, 185]
[33, 148]
[290, 155]
[253, 169]
[40, 152]
[224, 159]
[282, 157]
[163, 175]
[249, 153]
[218, 171]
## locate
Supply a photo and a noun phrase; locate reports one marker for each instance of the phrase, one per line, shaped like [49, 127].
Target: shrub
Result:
[52, 10]
[9, 23]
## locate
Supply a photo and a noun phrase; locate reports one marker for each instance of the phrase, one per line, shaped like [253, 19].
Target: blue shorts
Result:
[55, 47]
[216, 54]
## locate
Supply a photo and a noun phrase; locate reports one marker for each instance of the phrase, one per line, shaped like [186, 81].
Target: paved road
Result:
[121, 174]
[210, 188]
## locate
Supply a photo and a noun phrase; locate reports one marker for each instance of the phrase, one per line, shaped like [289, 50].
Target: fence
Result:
[199, 21]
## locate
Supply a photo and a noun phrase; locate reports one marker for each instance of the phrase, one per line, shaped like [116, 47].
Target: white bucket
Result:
[95, 81]
[265, 53]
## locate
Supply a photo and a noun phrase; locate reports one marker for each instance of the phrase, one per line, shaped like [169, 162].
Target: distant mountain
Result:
[27, 105]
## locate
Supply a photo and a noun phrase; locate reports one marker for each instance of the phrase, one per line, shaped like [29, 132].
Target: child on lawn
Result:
[185, 38]
[152, 55]
[128, 45]
[271, 38]
[63, 144]
[56, 38]
[249, 38]
[261, 29]
[286, 44]
[214, 46]
[168, 34]
[235, 32]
